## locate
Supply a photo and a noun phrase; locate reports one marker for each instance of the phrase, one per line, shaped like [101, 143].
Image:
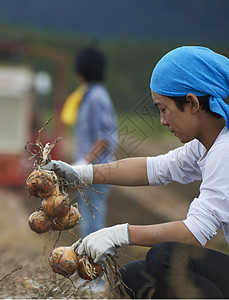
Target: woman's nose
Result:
[163, 121]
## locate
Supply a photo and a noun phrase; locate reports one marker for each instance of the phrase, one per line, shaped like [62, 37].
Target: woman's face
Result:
[181, 123]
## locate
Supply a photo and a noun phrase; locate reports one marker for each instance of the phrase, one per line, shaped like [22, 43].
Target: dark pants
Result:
[176, 270]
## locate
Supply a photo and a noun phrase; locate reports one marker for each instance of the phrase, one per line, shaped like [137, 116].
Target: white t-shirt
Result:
[210, 210]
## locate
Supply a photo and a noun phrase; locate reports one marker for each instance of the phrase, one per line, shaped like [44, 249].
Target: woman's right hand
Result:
[73, 175]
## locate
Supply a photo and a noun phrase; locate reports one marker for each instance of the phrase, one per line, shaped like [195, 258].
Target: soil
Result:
[25, 272]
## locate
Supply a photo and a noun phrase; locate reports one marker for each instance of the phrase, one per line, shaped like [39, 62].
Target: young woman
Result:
[189, 85]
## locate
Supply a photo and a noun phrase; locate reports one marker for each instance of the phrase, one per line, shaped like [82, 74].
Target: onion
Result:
[64, 261]
[56, 205]
[40, 183]
[88, 270]
[69, 220]
[39, 222]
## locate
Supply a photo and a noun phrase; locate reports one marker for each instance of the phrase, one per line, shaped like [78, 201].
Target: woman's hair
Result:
[90, 63]
[204, 104]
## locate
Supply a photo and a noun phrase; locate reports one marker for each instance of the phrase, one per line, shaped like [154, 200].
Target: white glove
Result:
[81, 161]
[102, 243]
[72, 174]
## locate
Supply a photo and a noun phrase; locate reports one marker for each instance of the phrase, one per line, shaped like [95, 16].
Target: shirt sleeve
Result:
[210, 210]
[104, 119]
[202, 223]
[178, 165]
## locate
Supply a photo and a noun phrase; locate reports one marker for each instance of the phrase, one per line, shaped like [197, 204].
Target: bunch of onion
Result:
[56, 212]
[65, 262]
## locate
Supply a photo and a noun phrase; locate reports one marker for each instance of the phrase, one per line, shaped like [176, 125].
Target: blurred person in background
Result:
[189, 86]
[90, 109]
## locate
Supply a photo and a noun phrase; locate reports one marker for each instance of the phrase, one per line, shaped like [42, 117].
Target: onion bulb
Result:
[88, 270]
[56, 205]
[69, 220]
[64, 261]
[40, 183]
[39, 222]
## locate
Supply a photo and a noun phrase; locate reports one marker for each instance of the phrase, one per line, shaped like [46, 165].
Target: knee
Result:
[158, 258]
[136, 282]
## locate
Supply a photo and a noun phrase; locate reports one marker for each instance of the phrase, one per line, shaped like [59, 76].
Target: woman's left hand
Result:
[102, 243]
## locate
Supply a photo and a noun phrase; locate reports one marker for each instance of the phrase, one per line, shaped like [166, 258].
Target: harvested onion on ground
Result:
[64, 261]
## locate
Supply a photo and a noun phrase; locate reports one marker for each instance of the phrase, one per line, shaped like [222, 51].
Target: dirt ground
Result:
[25, 272]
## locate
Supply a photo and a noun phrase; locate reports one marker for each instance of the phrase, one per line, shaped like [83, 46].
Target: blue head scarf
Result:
[197, 70]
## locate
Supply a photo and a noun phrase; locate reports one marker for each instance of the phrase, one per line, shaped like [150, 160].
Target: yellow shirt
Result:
[69, 112]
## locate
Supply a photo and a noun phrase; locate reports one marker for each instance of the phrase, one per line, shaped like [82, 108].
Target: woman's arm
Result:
[150, 235]
[104, 242]
[125, 172]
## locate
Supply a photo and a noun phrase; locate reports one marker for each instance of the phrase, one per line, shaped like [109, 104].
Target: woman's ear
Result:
[194, 102]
